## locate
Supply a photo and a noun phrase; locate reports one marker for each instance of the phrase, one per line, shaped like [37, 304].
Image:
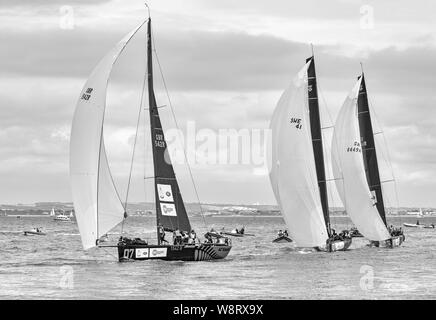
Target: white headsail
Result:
[293, 173]
[349, 171]
[96, 202]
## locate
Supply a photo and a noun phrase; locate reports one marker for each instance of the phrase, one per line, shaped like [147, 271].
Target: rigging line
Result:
[178, 129]
[134, 149]
[325, 147]
[325, 103]
[109, 252]
[329, 127]
[134, 143]
[146, 141]
[388, 156]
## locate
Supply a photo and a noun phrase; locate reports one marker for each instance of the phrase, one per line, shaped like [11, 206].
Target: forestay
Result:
[349, 171]
[293, 173]
[96, 202]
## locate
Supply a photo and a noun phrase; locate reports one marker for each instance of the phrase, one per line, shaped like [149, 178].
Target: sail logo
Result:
[87, 94]
[168, 209]
[165, 192]
[309, 88]
[159, 140]
[297, 122]
[355, 148]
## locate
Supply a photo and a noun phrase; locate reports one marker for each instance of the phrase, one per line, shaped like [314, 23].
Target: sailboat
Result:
[297, 173]
[97, 204]
[356, 170]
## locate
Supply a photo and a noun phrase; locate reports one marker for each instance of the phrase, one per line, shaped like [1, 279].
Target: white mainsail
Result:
[293, 173]
[349, 171]
[96, 202]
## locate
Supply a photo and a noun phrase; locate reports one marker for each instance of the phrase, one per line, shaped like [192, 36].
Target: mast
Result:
[368, 149]
[316, 133]
[170, 209]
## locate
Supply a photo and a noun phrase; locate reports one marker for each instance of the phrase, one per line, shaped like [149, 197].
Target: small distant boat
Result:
[412, 225]
[62, 217]
[59, 217]
[355, 233]
[34, 231]
[282, 239]
[417, 225]
[237, 233]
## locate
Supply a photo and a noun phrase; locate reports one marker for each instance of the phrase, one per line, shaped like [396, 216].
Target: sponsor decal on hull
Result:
[339, 245]
[157, 252]
[141, 253]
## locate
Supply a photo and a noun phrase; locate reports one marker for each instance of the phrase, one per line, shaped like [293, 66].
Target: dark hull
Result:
[233, 234]
[26, 233]
[356, 235]
[337, 245]
[390, 243]
[282, 239]
[197, 252]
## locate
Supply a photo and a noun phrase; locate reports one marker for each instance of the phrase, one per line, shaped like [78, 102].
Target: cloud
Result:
[225, 65]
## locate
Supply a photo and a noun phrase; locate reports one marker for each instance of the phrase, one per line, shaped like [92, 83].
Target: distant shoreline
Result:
[222, 216]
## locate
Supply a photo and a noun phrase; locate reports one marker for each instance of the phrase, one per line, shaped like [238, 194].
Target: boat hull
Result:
[27, 233]
[337, 245]
[197, 252]
[282, 239]
[411, 225]
[62, 219]
[233, 234]
[389, 243]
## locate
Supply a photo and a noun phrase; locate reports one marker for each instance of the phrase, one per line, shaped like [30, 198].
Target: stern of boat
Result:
[389, 243]
[340, 245]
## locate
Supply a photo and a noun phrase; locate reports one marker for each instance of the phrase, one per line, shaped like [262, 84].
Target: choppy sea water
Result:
[56, 267]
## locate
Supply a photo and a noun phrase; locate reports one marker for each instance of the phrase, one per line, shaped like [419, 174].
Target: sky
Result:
[225, 64]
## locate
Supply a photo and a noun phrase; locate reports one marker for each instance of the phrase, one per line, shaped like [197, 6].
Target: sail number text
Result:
[159, 141]
[355, 148]
[297, 122]
[87, 94]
